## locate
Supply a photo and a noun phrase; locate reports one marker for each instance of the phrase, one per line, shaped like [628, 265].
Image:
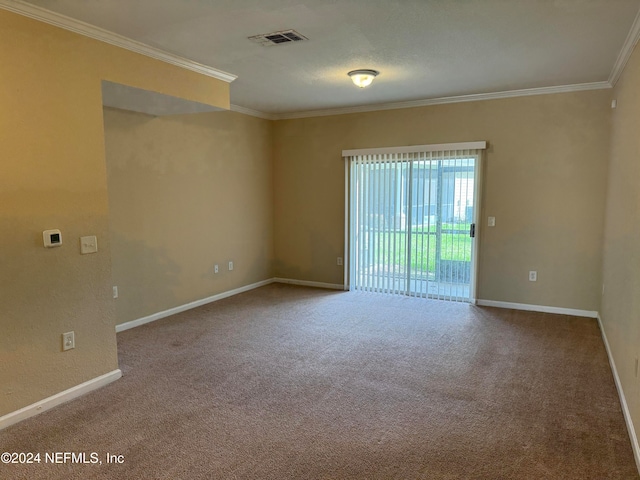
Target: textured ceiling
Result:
[424, 49]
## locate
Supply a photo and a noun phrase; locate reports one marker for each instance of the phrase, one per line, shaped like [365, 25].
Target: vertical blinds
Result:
[410, 211]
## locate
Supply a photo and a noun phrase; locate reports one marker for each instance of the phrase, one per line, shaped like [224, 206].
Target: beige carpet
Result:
[296, 383]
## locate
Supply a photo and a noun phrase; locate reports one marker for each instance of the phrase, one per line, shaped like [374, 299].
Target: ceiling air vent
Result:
[278, 38]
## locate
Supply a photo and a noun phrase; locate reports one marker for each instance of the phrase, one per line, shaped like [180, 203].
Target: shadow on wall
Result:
[321, 266]
[324, 259]
[146, 278]
[284, 270]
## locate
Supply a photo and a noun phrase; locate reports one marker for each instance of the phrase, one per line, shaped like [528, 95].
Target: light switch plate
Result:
[88, 244]
[492, 222]
[68, 341]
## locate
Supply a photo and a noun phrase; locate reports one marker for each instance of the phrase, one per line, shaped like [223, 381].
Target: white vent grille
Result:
[278, 38]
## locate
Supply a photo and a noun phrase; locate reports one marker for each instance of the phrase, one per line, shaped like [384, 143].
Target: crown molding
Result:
[445, 100]
[253, 113]
[91, 31]
[625, 53]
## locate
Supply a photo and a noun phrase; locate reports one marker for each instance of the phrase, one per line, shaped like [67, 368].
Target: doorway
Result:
[412, 222]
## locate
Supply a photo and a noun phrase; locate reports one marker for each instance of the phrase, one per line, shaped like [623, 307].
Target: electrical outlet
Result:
[230, 266]
[115, 292]
[68, 341]
[533, 276]
[339, 261]
[216, 269]
[491, 222]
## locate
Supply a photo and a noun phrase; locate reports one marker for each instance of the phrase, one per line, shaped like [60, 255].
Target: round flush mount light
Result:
[363, 78]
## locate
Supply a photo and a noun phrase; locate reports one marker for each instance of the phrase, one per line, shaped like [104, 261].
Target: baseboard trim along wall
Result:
[538, 308]
[59, 398]
[307, 283]
[214, 298]
[188, 306]
[623, 401]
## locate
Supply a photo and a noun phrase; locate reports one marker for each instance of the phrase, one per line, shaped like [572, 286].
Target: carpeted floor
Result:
[288, 382]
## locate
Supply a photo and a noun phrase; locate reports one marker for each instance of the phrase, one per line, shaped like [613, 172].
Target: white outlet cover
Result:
[491, 222]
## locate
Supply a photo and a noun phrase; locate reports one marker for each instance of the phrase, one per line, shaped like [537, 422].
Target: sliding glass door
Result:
[411, 228]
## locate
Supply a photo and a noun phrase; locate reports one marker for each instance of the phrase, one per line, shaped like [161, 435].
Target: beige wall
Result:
[185, 193]
[53, 175]
[620, 311]
[543, 181]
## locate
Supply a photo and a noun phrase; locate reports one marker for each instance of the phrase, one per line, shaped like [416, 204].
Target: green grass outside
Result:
[462, 228]
[423, 248]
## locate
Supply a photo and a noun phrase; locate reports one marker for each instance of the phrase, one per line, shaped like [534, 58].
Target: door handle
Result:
[472, 230]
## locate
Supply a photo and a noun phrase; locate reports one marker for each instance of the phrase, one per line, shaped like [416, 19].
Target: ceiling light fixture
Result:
[363, 78]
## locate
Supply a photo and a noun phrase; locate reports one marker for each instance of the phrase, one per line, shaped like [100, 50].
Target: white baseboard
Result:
[214, 298]
[538, 308]
[307, 283]
[623, 401]
[58, 398]
[188, 306]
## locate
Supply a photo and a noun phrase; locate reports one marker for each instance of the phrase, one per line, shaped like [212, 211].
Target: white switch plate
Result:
[68, 341]
[339, 262]
[533, 276]
[492, 222]
[215, 269]
[88, 244]
[230, 266]
[115, 292]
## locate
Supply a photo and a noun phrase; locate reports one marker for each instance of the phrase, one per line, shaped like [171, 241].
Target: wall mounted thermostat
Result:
[52, 238]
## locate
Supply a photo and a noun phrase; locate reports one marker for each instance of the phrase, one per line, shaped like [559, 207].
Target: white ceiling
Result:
[424, 49]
